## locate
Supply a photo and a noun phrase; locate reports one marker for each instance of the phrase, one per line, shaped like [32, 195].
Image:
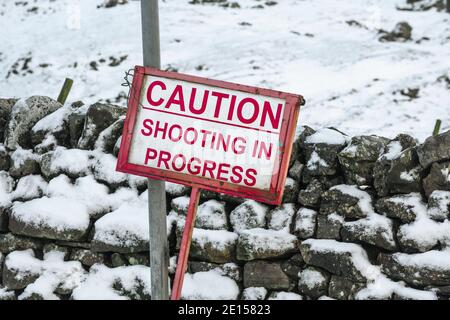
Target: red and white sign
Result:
[210, 134]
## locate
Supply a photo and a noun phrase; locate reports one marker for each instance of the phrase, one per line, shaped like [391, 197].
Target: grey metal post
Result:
[159, 249]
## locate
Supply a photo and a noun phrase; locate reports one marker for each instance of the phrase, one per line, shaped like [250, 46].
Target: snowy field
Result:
[350, 79]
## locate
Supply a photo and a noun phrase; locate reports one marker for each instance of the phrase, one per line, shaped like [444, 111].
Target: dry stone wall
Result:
[363, 217]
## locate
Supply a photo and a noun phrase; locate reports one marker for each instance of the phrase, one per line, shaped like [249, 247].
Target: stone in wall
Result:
[137, 259]
[293, 266]
[342, 288]
[304, 132]
[75, 124]
[295, 170]
[53, 127]
[7, 295]
[208, 195]
[344, 200]
[42, 218]
[109, 136]
[263, 244]
[402, 207]
[87, 257]
[174, 190]
[422, 269]
[254, 293]
[218, 246]
[305, 223]
[265, 274]
[231, 200]
[321, 149]
[291, 188]
[284, 295]
[104, 172]
[281, 218]
[10, 242]
[434, 149]
[398, 170]
[52, 166]
[4, 218]
[135, 245]
[249, 215]
[211, 215]
[230, 269]
[53, 247]
[180, 204]
[358, 158]
[335, 257]
[376, 230]
[6, 106]
[7, 184]
[329, 226]
[439, 205]
[24, 115]
[312, 194]
[118, 260]
[98, 117]
[438, 178]
[23, 163]
[29, 187]
[443, 291]
[15, 281]
[5, 159]
[313, 282]
[24, 270]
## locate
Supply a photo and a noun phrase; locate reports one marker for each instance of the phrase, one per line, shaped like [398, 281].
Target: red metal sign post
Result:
[185, 244]
[208, 134]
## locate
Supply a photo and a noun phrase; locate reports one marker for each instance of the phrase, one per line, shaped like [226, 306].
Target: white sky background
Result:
[334, 70]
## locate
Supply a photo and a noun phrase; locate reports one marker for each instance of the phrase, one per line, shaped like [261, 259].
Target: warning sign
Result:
[212, 134]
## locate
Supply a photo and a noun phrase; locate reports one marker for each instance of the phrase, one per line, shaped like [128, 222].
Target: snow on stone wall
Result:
[363, 217]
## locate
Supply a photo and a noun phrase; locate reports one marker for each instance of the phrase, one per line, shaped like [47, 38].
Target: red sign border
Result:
[288, 126]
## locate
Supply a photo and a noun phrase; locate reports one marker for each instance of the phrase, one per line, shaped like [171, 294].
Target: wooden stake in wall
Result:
[65, 90]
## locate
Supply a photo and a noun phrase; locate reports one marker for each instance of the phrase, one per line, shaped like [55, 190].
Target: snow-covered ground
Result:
[350, 80]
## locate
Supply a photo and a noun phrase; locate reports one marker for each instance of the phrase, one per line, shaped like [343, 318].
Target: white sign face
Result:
[214, 133]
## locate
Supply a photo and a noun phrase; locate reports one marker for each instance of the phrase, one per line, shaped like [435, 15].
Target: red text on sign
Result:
[246, 110]
[205, 168]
